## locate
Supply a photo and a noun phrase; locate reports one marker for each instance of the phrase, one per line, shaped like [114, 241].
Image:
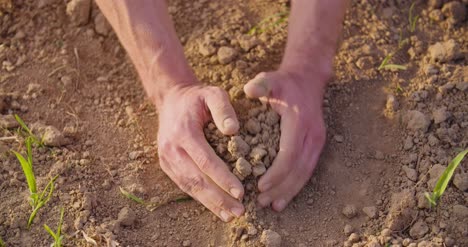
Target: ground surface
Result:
[388, 131]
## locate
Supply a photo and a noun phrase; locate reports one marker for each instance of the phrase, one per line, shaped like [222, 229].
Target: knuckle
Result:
[220, 203]
[192, 184]
[203, 163]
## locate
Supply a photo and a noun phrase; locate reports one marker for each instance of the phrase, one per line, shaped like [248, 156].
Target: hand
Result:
[298, 99]
[185, 155]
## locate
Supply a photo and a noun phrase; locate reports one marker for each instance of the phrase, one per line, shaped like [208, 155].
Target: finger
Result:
[291, 139]
[258, 87]
[183, 171]
[281, 195]
[222, 111]
[211, 165]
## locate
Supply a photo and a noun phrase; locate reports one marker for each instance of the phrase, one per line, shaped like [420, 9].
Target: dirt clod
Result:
[226, 54]
[349, 211]
[243, 168]
[237, 147]
[101, 25]
[460, 211]
[461, 181]
[126, 217]
[402, 211]
[417, 120]
[419, 229]
[8, 122]
[79, 11]
[371, 212]
[440, 115]
[444, 51]
[270, 238]
[454, 11]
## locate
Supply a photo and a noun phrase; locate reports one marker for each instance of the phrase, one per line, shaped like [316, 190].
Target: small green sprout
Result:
[57, 236]
[2, 244]
[29, 133]
[131, 196]
[413, 20]
[388, 66]
[257, 29]
[37, 201]
[444, 179]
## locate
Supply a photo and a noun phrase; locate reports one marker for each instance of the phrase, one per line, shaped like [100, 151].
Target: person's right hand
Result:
[185, 155]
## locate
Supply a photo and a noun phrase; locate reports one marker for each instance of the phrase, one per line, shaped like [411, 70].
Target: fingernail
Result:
[237, 211]
[279, 205]
[230, 124]
[264, 187]
[236, 193]
[262, 86]
[225, 216]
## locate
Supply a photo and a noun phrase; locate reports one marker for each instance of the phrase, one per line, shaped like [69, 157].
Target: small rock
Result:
[444, 51]
[253, 126]
[8, 122]
[460, 211]
[348, 229]
[422, 201]
[449, 242]
[419, 229]
[371, 212]
[101, 25]
[78, 11]
[53, 137]
[258, 170]
[392, 104]
[338, 138]
[247, 42]
[270, 238]
[126, 217]
[461, 181]
[257, 153]
[349, 211]
[243, 167]
[186, 243]
[410, 173]
[416, 120]
[135, 155]
[353, 238]
[440, 115]
[237, 147]
[226, 54]
[430, 69]
[455, 12]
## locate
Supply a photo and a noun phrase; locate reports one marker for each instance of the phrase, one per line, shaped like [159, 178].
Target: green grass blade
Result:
[59, 228]
[23, 125]
[33, 214]
[445, 178]
[47, 228]
[29, 150]
[385, 61]
[394, 67]
[2, 244]
[131, 196]
[28, 172]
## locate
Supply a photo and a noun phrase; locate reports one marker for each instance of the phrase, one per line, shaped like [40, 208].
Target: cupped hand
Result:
[185, 155]
[298, 99]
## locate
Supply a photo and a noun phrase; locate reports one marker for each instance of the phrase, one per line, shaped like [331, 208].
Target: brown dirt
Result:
[390, 133]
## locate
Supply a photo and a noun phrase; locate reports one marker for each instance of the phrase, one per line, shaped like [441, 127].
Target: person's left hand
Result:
[298, 99]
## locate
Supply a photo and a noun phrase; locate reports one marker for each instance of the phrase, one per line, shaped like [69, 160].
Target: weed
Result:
[2, 244]
[29, 133]
[257, 29]
[57, 236]
[37, 200]
[131, 196]
[444, 179]
[413, 19]
[388, 66]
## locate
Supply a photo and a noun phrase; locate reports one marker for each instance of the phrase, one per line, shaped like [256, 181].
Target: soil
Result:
[391, 133]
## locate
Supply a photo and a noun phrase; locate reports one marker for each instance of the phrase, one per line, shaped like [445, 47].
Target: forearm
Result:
[314, 30]
[147, 33]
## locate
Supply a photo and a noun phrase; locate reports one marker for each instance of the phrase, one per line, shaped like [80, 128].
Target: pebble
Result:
[258, 170]
[101, 25]
[53, 137]
[270, 238]
[243, 167]
[226, 54]
[237, 147]
[348, 229]
[461, 181]
[440, 115]
[417, 120]
[79, 11]
[460, 211]
[410, 173]
[371, 212]
[419, 229]
[353, 238]
[349, 211]
[434, 174]
[338, 138]
[8, 122]
[126, 217]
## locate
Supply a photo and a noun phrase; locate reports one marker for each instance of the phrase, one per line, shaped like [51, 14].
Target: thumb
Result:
[222, 111]
[260, 86]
